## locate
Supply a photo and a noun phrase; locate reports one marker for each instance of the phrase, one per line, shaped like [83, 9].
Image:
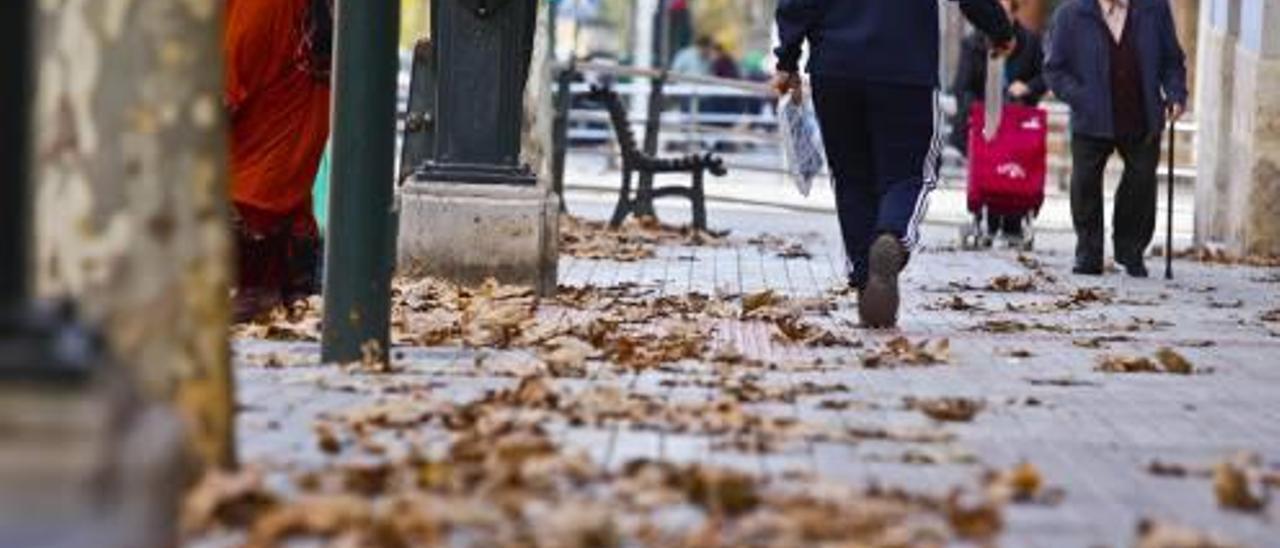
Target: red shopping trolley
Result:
[1007, 172]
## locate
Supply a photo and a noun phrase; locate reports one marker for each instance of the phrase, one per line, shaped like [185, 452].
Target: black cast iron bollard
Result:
[37, 344]
[15, 125]
[479, 64]
[358, 261]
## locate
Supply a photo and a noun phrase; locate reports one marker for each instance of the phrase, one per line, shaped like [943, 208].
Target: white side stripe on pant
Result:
[930, 178]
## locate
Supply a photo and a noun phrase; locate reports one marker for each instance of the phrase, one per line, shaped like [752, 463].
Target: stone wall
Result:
[1238, 188]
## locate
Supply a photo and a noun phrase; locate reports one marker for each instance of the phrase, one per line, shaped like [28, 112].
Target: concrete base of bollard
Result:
[467, 233]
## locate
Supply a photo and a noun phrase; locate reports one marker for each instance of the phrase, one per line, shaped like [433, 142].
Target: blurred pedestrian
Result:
[694, 59]
[726, 108]
[1025, 85]
[723, 65]
[680, 31]
[875, 77]
[278, 55]
[1119, 65]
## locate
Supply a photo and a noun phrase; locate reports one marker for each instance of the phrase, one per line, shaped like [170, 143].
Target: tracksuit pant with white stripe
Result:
[883, 142]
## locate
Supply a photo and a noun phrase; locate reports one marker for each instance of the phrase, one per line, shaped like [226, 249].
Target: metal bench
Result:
[635, 160]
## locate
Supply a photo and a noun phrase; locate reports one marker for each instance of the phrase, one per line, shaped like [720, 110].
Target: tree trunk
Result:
[131, 194]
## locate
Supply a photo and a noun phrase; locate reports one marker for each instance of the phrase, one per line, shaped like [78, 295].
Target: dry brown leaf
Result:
[1085, 296]
[902, 352]
[1173, 362]
[1101, 341]
[534, 392]
[1154, 534]
[1012, 284]
[956, 303]
[756, 301]
[1022, 484]
[233, 499]
[947, 409]
[974, 518]
[326, 439]
[1234, 490]
[721, 491]
[1127, 364]
[567, 356]
[1017, 326]
[313, 515]
[368, 479]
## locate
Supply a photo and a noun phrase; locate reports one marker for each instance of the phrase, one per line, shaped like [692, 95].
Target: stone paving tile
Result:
[1094, 440]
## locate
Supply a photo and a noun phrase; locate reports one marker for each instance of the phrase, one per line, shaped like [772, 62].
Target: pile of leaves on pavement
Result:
[1220, 257]
[414, 466]
[636, 239]
[414, 471]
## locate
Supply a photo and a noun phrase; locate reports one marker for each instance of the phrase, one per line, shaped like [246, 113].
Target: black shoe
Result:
[1087, 268]
[1136, 269]
[878, 302]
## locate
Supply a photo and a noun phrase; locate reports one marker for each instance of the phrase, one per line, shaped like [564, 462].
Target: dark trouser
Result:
[1134, 218]
[883, 144]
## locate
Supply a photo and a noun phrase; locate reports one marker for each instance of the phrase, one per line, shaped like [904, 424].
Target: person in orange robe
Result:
[277, 94]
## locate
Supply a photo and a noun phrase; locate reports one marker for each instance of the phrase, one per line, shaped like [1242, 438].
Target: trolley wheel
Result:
[969, 237]
[1029, 231]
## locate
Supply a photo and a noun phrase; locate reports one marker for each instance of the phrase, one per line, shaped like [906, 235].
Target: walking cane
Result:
[1168, 242]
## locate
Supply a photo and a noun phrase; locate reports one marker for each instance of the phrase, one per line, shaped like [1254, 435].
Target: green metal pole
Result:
[16, 53]
[357, 300]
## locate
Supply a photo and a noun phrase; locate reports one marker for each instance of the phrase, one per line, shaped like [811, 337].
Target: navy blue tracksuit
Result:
[874, 66]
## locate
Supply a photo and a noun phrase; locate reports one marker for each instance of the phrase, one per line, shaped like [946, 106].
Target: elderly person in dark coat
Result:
[1119, 66]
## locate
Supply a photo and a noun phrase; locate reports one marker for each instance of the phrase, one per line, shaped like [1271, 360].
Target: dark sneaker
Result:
[878, 302]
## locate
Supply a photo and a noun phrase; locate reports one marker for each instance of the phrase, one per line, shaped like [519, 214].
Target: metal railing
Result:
[687, 125]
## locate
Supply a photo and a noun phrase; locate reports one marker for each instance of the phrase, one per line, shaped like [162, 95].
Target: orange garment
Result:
[279, 112]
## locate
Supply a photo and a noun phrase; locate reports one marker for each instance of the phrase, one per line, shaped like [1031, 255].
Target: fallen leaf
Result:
[326, 439]
[1101, 341]
[232, 499]
[1232, 487]
[947, 409]
[974, 518]
[1126, 364]
[901, 351]
[1012, 284]
[1063, 382]
[312, 515]
[755, 301]
[1154, 534]
[1173, 362]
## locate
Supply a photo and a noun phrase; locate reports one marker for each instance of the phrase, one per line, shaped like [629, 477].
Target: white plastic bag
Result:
[801, 142]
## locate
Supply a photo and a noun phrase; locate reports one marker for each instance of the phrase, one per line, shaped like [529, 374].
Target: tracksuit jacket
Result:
[881, 41]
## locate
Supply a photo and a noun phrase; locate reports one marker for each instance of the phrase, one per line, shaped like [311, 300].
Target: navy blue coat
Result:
[880, 41]
[1078, 63]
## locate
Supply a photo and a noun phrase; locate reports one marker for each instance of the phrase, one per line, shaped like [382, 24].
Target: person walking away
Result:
[277, 96]
[1119, 65]
[874, 66]
[1024, 78]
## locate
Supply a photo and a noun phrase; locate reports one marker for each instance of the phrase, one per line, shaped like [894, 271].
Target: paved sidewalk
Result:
[1093, 435]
